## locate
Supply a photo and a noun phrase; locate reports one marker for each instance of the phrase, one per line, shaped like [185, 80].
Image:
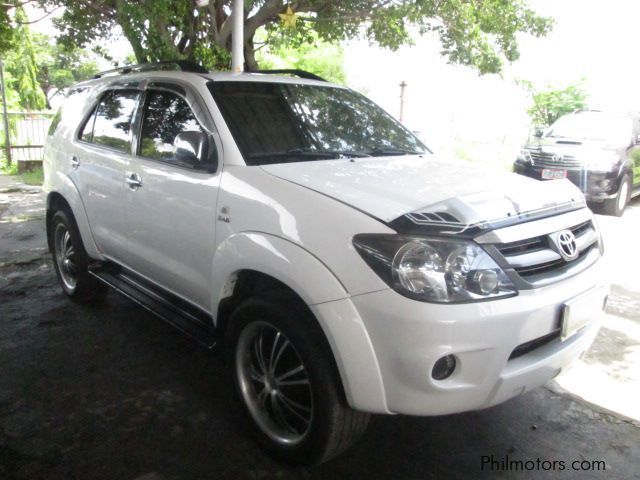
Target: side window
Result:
[112, 120]
[165, 116]
[55, 122]
[87, 130]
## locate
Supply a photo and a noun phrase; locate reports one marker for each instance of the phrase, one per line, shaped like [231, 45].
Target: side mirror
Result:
[537, 132]
[191, 148]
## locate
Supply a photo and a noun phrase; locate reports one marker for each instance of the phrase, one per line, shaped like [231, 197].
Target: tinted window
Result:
[55, 122]
[112, 125]
[276, 122]
[165, 116]
[87, 130]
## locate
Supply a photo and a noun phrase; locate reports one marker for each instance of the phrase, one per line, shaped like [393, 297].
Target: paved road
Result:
[110, 392]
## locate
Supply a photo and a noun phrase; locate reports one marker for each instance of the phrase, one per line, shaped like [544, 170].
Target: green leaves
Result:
[549, 104]
[21, 64]
[323, 59]
[481, 33]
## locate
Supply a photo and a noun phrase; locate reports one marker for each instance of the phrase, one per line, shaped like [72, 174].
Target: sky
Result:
[457, 111]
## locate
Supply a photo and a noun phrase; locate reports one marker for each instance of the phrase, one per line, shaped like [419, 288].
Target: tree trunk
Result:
[250, 62]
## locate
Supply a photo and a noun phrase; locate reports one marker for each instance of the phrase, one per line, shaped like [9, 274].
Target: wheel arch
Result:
[253, 263]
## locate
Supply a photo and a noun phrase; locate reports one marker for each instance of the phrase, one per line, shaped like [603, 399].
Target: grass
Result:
[33, 177]
[8, 169]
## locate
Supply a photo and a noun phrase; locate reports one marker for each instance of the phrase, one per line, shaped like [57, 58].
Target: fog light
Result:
[444, 367]
[484, 281]
[605, 184]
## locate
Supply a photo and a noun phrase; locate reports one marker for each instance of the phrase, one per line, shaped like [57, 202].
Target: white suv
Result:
[347, 269]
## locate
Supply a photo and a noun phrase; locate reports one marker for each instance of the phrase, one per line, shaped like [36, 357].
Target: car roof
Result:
[195, 77]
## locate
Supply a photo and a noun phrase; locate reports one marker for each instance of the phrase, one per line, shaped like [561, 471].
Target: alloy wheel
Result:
[274, 383]
[65, 257]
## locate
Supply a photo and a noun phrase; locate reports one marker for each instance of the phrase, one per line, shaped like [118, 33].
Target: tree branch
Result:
[41, 18]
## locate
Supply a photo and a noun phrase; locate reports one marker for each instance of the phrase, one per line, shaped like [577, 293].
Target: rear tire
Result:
[71, 261]
[287, 381]
[616, 206]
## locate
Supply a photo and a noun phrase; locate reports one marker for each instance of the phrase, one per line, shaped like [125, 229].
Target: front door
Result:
[170, 208]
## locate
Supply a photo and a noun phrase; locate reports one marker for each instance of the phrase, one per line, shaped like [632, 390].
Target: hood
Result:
[575, 147]
[390, 187]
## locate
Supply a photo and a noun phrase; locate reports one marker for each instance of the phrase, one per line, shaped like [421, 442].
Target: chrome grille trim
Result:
[535, 261]
[546, 160]
[529, 230]
[533, 258]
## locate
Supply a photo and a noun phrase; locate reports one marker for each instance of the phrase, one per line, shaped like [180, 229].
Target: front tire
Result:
[616, 206]
[71, 261]
[288, 383]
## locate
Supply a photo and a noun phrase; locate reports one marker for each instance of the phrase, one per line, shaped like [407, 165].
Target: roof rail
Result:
[291, 71]
[183, 65]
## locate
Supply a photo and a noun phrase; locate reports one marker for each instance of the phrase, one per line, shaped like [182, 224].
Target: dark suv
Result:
[597, 151]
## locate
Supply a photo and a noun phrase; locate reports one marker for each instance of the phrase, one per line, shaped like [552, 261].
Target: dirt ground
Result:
[111, 392]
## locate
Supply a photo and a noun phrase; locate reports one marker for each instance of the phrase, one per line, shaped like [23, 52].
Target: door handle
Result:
[75, 162]
[134, 181]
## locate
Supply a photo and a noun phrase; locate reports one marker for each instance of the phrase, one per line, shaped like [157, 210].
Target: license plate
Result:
[551, 174]
[580, 310]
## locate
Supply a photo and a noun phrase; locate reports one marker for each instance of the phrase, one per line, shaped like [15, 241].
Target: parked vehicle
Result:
[346, 268]
[599, 152]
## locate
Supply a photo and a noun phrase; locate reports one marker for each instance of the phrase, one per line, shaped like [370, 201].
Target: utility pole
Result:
[237, 36]
[5, 115]
[403, 85]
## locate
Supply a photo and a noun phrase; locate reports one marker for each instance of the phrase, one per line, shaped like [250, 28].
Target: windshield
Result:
[614, 130]
[284, 122]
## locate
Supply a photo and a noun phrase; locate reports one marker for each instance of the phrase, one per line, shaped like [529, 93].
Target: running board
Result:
[190, 320]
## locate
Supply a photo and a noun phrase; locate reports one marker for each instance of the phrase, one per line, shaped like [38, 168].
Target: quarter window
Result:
[165, 116]
[87, 131]
[110, 125]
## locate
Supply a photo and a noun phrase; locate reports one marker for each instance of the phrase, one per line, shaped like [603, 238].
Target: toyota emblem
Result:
[566, 243]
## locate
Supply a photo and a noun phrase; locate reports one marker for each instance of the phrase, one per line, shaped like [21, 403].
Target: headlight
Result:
[602, 161]
[525, 155]
[434, 269]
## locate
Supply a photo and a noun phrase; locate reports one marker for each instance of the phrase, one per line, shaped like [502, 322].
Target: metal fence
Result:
[27, 133]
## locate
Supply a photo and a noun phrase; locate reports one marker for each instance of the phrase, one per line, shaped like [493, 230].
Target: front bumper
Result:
[596, 186]
[408, 337]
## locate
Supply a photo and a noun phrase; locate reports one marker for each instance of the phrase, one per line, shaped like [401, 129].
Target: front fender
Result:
[327, 298]
[278, 258]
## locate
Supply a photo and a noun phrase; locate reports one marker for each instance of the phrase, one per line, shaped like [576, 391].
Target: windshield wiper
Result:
[307, 152]
[379, 152]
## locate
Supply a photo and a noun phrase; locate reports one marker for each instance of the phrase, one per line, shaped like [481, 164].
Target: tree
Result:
[21, 64]
[480, 33]
[549, 104]
[6, 28]
[61, 67]
[316, 56]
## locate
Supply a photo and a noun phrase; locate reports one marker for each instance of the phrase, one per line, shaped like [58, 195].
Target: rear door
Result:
[170, 214]
[634, 153]
[102, 151]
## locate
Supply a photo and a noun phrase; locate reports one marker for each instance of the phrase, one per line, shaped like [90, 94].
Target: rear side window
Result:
[87, 131]
[110, 124]
[165, 115]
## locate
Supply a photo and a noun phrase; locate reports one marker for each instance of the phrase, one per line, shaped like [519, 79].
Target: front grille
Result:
[523, 246]
[548, 267]
[543, 159]
[534, 259]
